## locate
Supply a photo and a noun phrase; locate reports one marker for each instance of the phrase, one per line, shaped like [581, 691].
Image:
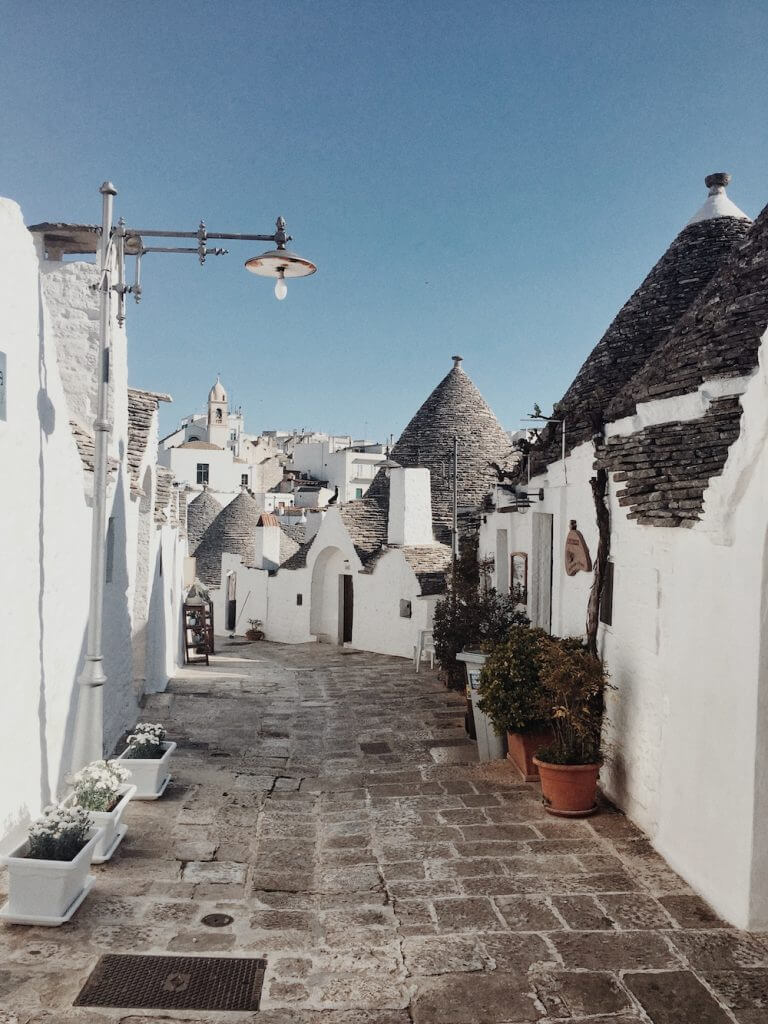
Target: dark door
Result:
[231, 601]
[347, 609]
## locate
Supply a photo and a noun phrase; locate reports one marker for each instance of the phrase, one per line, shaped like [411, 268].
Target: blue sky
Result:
[488, 179]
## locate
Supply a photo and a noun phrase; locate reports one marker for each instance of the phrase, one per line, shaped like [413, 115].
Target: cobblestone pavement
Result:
[326, 800]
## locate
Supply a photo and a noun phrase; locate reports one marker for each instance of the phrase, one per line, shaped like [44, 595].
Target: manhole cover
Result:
[174, 982]
[217, 920]
[375, 748]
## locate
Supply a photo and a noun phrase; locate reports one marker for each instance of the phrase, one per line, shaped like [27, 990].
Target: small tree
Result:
[509, 682]
[472, 614]
[572, 684]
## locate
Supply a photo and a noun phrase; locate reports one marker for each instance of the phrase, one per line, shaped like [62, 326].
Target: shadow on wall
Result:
[46, 415]
[120, 706]
[156, 666]
[759, 879]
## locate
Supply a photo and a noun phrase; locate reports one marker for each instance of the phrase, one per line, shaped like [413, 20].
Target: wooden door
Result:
[347, 609]
[231, 601]
[541, 571]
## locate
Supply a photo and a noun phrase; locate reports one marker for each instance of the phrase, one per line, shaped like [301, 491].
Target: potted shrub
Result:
[572, 684]
[101, 789]
[147, 758]
[255, 632]
[510, 695]
[48, 873]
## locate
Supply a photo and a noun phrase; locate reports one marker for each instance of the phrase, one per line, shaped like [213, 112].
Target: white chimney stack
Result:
[266, 542]
[410, 507]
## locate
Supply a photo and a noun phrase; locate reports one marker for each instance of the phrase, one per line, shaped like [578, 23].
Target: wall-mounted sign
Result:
[576, 552]
[519, 563]
[3, 386]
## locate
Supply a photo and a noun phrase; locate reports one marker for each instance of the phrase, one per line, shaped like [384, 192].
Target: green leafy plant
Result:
[572, 685]
[146, 742]
[60, 834]
[472, 615]
[509, 682]
[97, 786]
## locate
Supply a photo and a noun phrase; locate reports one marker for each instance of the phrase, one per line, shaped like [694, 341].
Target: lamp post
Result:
[115, 243]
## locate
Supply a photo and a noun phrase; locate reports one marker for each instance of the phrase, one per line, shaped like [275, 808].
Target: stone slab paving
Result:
[329, 803]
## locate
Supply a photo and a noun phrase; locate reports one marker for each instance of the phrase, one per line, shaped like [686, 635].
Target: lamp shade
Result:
[280, 263]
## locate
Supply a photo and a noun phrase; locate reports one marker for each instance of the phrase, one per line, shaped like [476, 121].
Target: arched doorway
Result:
[332, 598]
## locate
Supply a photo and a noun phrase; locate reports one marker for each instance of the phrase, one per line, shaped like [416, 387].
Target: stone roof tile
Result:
[233, 531]
[201, 512]
[664, 470]
[641, 326]
[86, 447]
[718, 337]
[455, 408]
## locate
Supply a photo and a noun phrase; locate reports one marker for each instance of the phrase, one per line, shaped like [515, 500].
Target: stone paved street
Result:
[327, 801]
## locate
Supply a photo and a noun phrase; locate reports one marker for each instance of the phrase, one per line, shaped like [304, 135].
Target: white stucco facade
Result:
[350, 468]
[386, 606]
[50, 318]
[687, 651]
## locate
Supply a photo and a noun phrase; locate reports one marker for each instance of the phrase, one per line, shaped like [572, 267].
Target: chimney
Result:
[410, 507]
[266, 542]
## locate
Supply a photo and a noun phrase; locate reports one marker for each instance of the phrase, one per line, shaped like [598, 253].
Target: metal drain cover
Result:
[216, 920]
[375, 748]
[174, 982]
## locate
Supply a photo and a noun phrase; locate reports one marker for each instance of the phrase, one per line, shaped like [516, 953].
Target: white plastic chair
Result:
[424, 646]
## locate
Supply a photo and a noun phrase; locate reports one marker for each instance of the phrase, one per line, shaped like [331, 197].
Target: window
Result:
[202, 472]
[232, 435]
[299, 599]
[358, 492]
[110, 558]
[244, 479]
[218, 416]
[606, 598]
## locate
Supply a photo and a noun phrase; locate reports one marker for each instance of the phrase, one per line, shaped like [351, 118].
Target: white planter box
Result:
[111, 824]
[47, 892]
[150, 776]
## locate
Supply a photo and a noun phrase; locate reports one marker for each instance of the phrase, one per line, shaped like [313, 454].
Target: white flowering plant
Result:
[97, 786]
[60, 834]
[146, 741]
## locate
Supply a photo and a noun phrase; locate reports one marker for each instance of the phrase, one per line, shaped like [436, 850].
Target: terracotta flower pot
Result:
[568, 790]
[521, 748]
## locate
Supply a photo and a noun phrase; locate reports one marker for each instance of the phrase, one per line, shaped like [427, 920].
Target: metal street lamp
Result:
[115, 243]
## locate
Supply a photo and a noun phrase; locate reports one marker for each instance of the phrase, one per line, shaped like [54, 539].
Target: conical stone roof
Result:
[645, 321]
[233, 530]
[201, 512]
[455, 408]
[718, 337]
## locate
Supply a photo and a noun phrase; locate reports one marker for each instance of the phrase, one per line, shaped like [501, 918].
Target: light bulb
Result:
[281, 288]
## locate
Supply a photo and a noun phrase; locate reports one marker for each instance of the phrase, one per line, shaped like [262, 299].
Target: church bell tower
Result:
[218, 415]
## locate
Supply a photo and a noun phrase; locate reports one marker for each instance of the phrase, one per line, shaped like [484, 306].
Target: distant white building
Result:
[212, 450]
[346, 470]
[366, 572]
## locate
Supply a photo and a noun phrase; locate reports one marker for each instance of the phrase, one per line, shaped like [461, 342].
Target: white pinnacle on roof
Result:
[217, 392]
[718, 204]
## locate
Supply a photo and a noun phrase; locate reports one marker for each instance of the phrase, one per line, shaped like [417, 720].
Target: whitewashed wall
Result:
[49, 337]
[687, 728]
[223, 472]
[377, 623]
